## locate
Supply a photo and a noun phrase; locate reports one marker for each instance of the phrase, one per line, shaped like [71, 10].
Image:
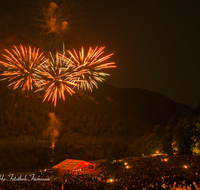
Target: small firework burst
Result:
[51, 21]
[90, 66]
[59, 21]
[57, 77]
[20, 67]
[54, 18]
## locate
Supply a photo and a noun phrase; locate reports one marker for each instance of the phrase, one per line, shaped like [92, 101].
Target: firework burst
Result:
[58, 18]
[90, 66]
[20, 67]
[57, 77]
[28, 69]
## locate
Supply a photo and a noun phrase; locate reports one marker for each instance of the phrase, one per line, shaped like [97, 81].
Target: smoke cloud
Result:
[53, 130]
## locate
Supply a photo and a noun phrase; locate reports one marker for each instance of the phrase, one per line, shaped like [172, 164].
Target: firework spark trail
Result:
[57, 76]
[20, 67]
[90, 65]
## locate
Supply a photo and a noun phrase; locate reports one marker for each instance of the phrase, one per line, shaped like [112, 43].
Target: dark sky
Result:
[156, 42]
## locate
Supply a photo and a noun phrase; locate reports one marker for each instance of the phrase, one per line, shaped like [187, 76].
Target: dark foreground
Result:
[146, 173]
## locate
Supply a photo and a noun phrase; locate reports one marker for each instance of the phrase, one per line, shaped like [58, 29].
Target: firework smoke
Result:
[53, 130]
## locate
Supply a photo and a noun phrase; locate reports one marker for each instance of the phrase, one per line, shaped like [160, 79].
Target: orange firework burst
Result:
[57, 76]
[28, 69]
[90, 66]
[55, 18]
[20, 67]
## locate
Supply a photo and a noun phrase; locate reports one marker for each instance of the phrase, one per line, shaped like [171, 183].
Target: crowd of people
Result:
[144, 173]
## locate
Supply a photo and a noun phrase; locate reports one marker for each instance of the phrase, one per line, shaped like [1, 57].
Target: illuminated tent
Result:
[74, 165]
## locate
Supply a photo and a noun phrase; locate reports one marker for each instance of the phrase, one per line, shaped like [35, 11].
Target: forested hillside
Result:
[106, 123]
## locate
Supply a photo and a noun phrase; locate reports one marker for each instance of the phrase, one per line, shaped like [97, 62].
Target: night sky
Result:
[156, 43]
